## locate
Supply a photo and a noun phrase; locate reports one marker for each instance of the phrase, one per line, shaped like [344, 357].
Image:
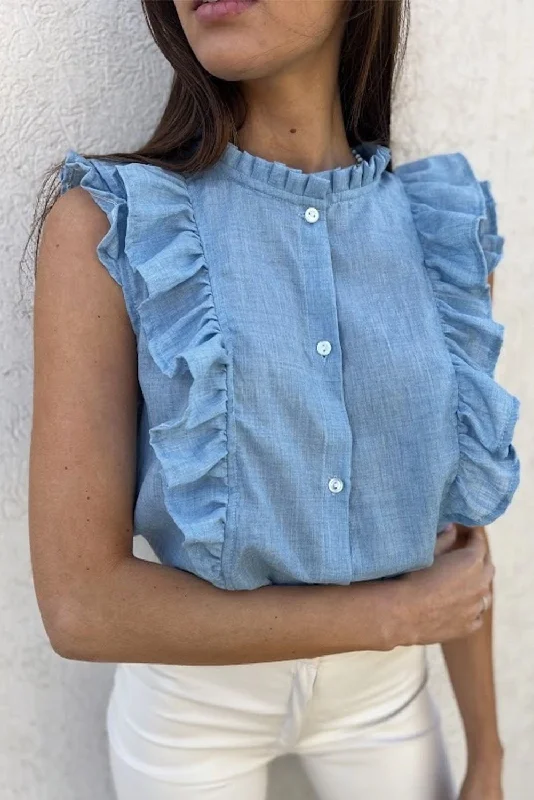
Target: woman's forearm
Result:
[470, 665]
[147, 612]
[139, 611]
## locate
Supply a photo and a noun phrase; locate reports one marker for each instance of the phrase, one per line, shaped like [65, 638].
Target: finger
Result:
[484, 535]
[474, 534]
[483, 607]
[476, 625]
[445, 541]
[489, 573]
[487, 601]
[476, 543]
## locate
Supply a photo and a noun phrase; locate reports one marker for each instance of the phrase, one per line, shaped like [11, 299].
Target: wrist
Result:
[487, 754]
[485, 762]
[394, 617]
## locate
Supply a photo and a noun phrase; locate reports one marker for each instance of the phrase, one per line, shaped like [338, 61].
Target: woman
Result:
[283, 379]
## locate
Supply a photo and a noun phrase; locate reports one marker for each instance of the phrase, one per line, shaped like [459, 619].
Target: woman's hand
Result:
[447, 600]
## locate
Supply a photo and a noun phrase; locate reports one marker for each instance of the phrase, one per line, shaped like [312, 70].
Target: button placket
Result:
[336, 461]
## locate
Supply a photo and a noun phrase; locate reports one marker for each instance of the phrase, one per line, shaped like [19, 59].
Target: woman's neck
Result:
[296, 117]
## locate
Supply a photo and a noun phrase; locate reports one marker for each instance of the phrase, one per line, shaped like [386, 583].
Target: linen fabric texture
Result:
[316, 357]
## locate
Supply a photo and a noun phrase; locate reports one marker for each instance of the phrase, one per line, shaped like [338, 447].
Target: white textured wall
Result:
[68, 67]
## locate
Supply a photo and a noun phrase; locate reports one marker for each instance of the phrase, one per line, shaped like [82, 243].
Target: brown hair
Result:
[204, 112]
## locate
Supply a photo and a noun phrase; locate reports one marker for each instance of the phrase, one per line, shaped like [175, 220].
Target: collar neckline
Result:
[368, 170]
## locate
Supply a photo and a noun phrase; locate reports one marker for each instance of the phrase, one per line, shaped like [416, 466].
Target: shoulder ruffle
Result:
[151, 219]
[455, 218]
[103, 183]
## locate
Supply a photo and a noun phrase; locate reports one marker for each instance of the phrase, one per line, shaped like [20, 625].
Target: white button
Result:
[335, 485]
[323, 347]
[311, 214]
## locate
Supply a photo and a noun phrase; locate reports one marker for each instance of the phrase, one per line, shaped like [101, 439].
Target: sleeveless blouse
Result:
[316, 356]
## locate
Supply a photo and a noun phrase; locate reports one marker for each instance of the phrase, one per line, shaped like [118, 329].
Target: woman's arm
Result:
[470, 666]
[98, 601]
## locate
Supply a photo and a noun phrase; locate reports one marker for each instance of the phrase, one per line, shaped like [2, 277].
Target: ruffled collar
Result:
[374, 160]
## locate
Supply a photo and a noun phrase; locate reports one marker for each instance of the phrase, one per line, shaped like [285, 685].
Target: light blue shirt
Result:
[316, 361]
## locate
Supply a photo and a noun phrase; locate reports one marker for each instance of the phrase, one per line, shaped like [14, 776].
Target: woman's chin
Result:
[233, 66]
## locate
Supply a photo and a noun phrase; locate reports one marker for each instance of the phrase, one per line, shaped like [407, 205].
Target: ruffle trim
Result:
[105, 186]
[456, 220]
[178, 319]
[374, 160]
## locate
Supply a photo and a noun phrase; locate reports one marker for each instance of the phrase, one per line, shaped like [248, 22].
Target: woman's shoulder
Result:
[96, 197]
[116, 183]
[144, 204]
[455, 214]
[453, 167]
[72, 231]
[152, 244]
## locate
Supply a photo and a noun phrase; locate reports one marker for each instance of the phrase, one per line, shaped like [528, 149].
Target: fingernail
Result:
[448, 528]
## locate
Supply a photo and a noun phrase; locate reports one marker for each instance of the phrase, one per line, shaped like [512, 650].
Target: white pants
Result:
[363, 724]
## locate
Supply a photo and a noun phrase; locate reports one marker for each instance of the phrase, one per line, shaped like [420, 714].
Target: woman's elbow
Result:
[69, 632]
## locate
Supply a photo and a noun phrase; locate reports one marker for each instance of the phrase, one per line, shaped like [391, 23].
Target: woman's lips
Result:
[221, 8]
